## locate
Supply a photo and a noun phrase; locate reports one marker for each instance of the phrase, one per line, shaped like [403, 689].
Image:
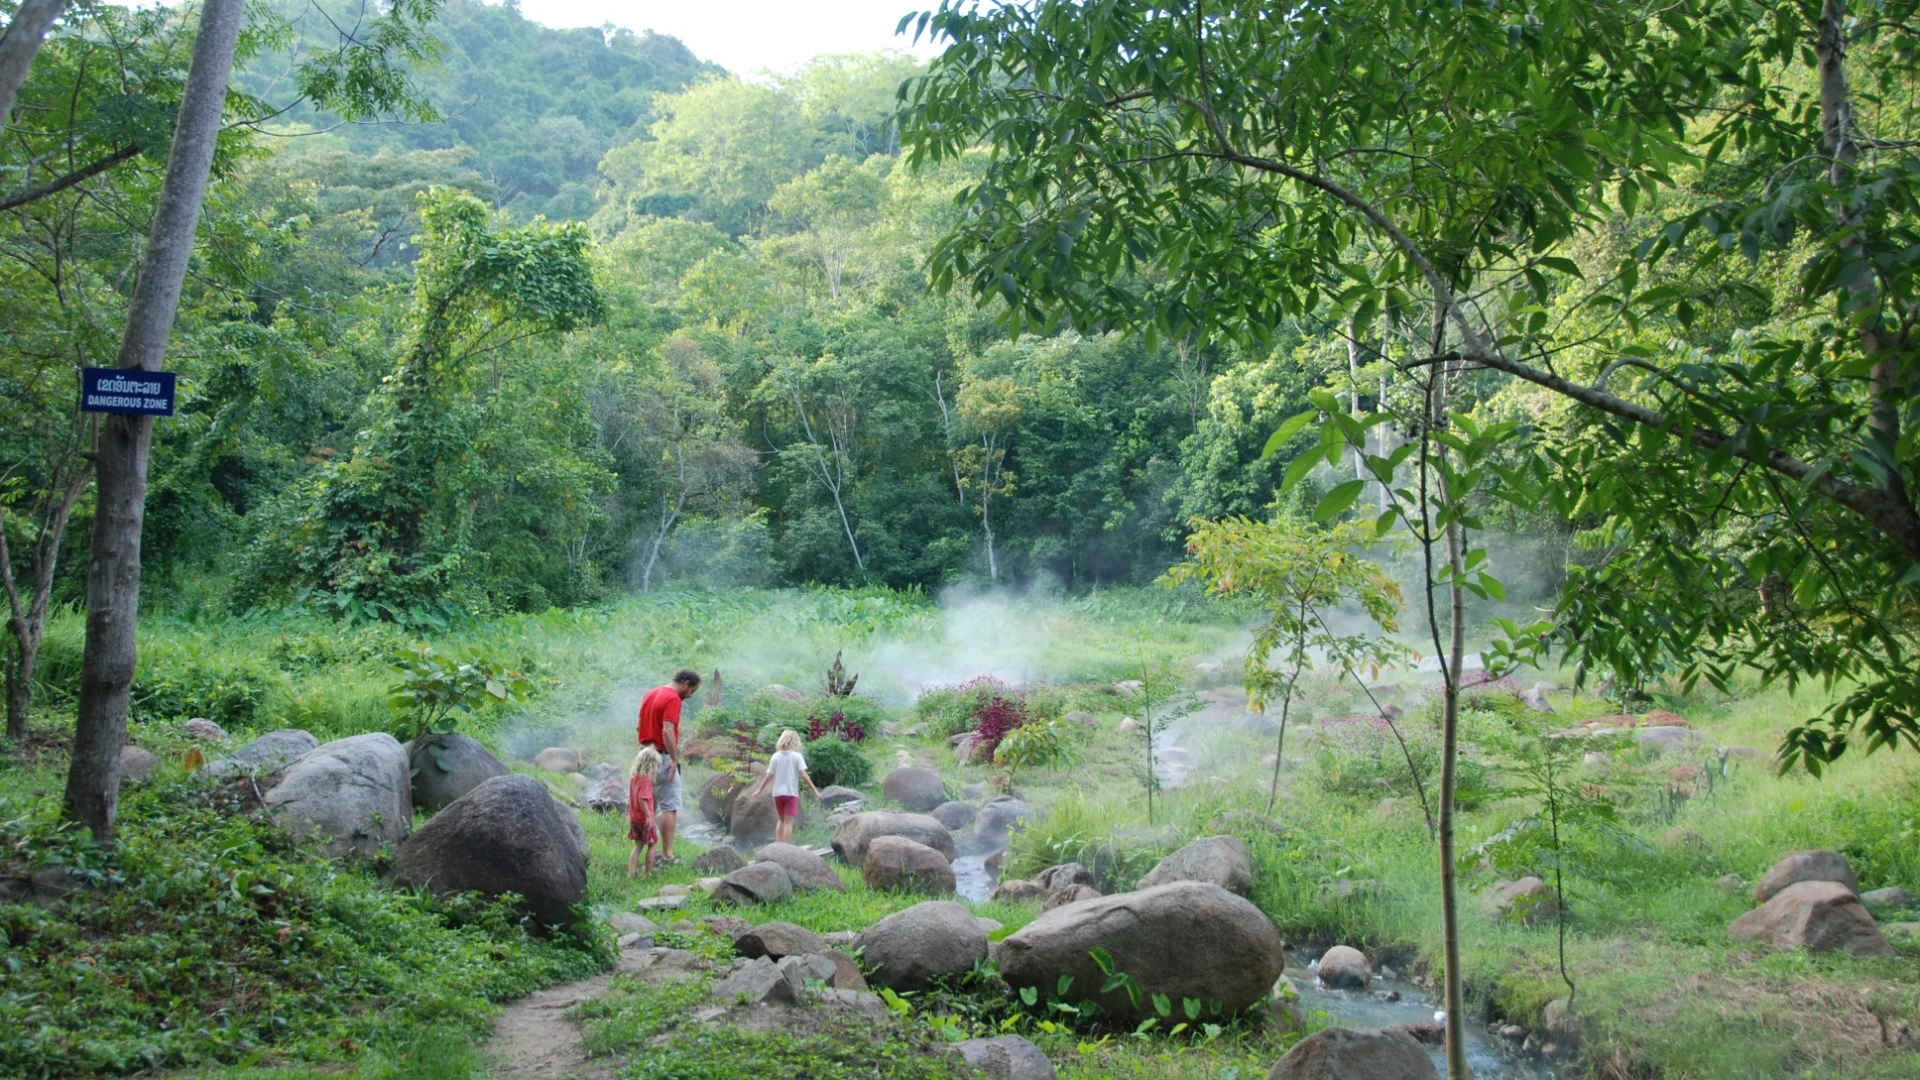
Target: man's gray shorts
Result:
[666, 793]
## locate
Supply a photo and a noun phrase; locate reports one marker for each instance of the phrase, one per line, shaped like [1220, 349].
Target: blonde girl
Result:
[641, 827]
[785, 770]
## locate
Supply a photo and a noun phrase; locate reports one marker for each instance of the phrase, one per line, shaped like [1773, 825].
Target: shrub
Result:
[996, 719]
[837, 725]
[205, 936]
[1046, 744]
[231, 695]
[1359, 757]
[833, 760]
[950, 710]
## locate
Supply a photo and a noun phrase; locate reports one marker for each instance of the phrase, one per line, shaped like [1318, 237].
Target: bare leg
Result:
[649, 860]
[633, 859]
[669, 820]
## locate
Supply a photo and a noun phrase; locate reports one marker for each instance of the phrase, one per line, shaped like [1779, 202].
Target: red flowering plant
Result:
[994, 719]
[837, 724]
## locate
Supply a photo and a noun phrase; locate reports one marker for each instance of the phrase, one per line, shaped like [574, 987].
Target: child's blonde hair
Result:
[789, 740]
[646, 762]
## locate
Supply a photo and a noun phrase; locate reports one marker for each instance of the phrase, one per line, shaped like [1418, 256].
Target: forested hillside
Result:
[763, 388]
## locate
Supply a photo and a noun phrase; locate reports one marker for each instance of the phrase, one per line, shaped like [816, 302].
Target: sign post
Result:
[126, 390]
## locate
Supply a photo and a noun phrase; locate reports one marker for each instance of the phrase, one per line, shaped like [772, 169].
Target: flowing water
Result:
[970, 877]
[1487, 1054]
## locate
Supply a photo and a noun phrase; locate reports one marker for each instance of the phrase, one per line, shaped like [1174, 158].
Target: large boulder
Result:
[778, 939]
[1819, 916]
[907, 949]
[1186, 940]
[716, 861]
[1345, 968]
[808, 871]
[353, 791]
[507, 835]
[899, 864]
[269, 753]
[1004, 1057]
[447, 766]
[850, 840]
[1669, 739]
[753, 819]
[204, 730]
[1528, 900]
[993, 827]
[717, 795]
[1351, 1054]
[1800, 866]
[1063, 876]
[558, 759]
[1020, 892]
[954, 815]
[834, 795]
[1220, 860]
[1890, 897]
[137, 764]
[919, 790]
[755, 883]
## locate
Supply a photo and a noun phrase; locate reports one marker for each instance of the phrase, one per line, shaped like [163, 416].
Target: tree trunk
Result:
[1449, 776]
[26, 651]
[20, 44]
[113, 571]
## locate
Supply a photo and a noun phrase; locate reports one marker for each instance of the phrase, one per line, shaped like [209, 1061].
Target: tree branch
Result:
[80, 175]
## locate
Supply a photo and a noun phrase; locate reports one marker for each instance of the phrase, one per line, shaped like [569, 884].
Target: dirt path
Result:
[534, 1040]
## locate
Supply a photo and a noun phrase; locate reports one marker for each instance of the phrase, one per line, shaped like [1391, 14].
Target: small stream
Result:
[1487, 1054]
[970, 877]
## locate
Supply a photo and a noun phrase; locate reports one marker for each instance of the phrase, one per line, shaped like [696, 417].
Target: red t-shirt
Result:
[640, 799]
[659, 708]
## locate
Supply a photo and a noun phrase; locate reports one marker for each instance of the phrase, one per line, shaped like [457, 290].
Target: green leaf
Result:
[1286, 431]
[1335, 502]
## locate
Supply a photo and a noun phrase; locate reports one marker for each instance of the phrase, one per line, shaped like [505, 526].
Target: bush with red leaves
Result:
[994, 719]
[837, 724]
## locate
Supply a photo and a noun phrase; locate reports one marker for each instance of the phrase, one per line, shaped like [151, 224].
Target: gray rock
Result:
[1819, 916]
[907, 949]
[137, 764]
[1084, 719]
[353, 791]
[756, 883]
[918, 790]
[269, 753]
[993, 827]
[846, 973]
[558, 759]
[1731, 882]
[757, 982]
[850, 840]
[1528, 900]
[662, 903]
[638, 942]
[834, 795]
[1888, 898]
[507, 835]
[807, 967]
[1345, 968]
[717, 795]
[1063, 876]
[1801, 866]
[1353, 1054]
[1005, 1057]
[1669, 739]
[954, 815]
[1020, 892]
[1072, 894]
[1219, 860]
[808, 871]
[895, 863]
[1186, 939]
[626, 922]
[753, 818]
[447, 766]
[778, 939]
[718, 860]
[1536, 697]
[204, 730]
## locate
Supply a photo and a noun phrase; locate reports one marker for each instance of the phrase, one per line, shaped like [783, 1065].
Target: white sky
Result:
[747, 36]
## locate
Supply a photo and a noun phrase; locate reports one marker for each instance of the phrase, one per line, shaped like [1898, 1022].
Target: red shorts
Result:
[642, 831]
[786, 805]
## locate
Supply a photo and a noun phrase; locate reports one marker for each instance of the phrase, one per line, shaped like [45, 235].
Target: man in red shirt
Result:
[660, 729]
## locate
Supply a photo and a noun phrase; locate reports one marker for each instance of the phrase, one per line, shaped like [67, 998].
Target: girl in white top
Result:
[785, 770]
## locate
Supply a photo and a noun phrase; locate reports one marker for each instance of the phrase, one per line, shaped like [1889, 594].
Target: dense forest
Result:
[768, 392]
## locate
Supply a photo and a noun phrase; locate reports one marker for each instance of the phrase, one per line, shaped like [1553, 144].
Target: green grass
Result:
[1663, 990]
